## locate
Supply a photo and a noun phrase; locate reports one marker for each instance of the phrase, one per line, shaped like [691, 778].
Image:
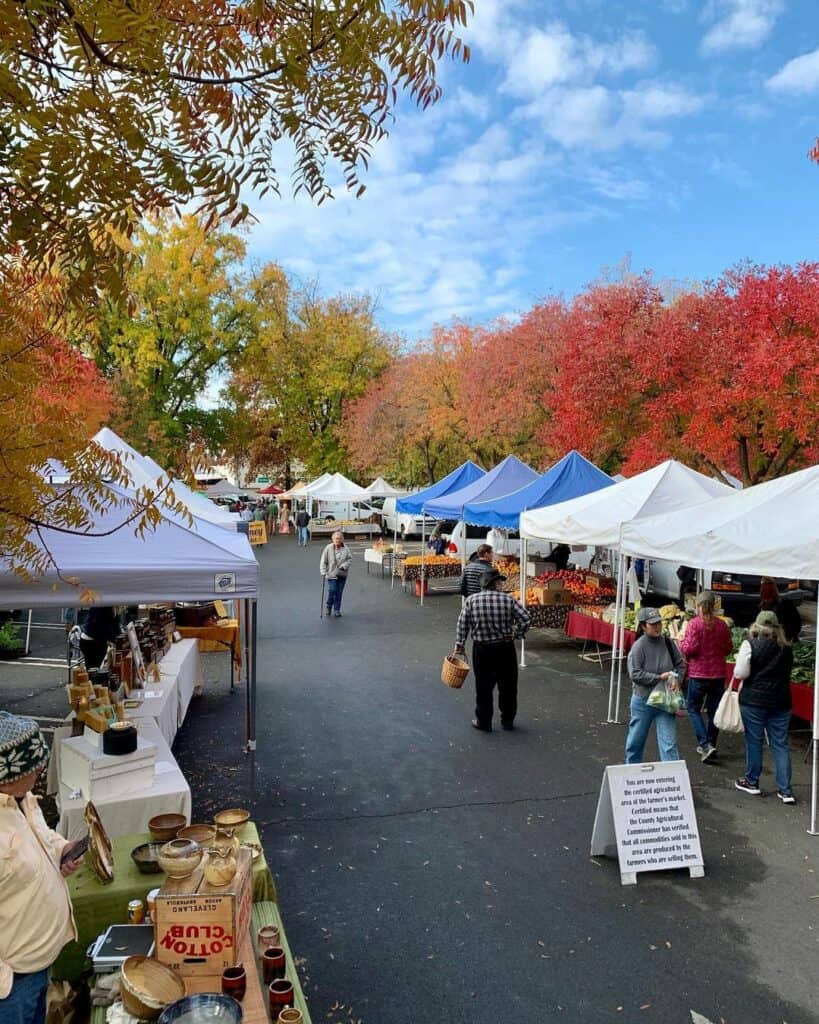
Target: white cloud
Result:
[606, 119]
[800, 75]
[740, 24]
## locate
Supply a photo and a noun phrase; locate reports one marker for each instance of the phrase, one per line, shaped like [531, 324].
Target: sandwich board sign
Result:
[646, 818]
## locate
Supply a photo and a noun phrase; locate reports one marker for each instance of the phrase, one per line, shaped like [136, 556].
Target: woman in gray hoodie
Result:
[652, 660]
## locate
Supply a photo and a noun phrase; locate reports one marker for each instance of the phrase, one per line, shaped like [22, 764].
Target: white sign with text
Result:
[645, 817]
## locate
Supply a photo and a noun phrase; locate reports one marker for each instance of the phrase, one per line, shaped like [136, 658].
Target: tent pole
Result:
[28, 631]
[246, 660]
[815, 744]
[392, 560]
[617, 612]
[523, 596]
[251, 739]
[622, 635]
[423, 550]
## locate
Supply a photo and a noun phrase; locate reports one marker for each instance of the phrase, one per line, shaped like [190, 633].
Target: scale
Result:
[110, 950]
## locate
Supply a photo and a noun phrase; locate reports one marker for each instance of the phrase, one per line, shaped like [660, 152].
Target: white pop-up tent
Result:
[379, 488]
[598, 518]
[144, 472]
[304, 490]
[771, 529]
[336, 487]
[109, 563]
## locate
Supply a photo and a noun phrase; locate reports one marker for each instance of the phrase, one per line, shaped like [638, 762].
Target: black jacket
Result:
[769, 684]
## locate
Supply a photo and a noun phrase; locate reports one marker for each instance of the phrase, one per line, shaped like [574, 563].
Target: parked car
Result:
[739, 591]
[403, 523]
[460, 534]
[335, 511]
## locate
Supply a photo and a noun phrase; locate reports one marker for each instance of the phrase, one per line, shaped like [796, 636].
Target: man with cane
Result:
[335, 563]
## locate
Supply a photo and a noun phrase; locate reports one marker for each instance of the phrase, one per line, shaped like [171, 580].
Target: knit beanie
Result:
[22, 748]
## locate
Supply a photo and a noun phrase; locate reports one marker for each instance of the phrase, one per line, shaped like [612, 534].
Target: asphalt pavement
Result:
[429, 873]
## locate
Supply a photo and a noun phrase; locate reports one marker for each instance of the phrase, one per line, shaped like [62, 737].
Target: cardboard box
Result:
[537, 568]
[254, 1004]
[556, 584]
[200, 927]
[550, 595]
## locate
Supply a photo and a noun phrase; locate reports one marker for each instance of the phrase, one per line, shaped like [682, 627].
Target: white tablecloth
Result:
[128, 814]
[183, 664]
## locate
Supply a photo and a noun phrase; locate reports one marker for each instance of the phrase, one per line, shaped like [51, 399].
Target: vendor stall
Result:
[770, 529]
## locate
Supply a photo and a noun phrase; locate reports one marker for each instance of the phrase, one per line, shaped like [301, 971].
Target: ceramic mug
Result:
[234, 982]
[290, 1015]
[273, 964]
[268, 935]
[280, 995]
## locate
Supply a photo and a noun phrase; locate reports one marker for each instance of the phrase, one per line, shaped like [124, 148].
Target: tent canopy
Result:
[569, 478]
[222, 487]
[337, 488]
[174, 562]
[460, 477]
[509, 475]
[270, 489]
[303, 490]
[597, 518]
[771, 529]
[379, 488]
[145, 472]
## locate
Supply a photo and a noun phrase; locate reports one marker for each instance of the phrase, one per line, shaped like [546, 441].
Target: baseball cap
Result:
[649, 615]
[491, 578]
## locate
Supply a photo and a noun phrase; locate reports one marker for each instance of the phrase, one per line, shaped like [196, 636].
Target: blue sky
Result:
[672, 133]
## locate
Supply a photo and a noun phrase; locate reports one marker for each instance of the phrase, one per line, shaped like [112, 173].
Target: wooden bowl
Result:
[180, 857]
[163, 827]
[233, 818]
[202, 834]
[147, 987]
[146, 858]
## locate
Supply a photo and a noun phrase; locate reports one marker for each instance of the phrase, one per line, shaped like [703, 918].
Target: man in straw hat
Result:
[35, 910]
[494, 619]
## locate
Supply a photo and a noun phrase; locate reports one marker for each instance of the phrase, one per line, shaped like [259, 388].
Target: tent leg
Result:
[626, 566]
[523, 596]
[423, 550]
[28, 631]
[618, 601]
[392, 560]
[814, 779]
[250, 704]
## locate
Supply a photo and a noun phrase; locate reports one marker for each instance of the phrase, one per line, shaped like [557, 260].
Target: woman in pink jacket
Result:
[706, 644]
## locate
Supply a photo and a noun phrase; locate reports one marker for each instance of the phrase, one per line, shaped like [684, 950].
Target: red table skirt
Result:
[584, 627]
[801, 696]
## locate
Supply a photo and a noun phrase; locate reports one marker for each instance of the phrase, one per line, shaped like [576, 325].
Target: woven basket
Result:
[147, 986]
[454, 671]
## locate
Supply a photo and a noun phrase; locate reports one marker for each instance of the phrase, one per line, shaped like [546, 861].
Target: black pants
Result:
[93, 652]
[495, 665]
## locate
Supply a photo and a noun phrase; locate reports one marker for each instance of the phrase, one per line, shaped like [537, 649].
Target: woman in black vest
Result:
[764, 663]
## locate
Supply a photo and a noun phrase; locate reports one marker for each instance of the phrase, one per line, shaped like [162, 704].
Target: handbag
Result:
[727, 717]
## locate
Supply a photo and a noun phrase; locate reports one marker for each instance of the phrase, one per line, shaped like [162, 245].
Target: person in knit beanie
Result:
[36, 919]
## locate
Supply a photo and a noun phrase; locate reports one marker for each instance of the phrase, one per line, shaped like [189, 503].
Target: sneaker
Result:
[338, 615]
[706, 752]
[329, 612]
[786, 798]
[747, 787]
[481, 728]
[508, 726]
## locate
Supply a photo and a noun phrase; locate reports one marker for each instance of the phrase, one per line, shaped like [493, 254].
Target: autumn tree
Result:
[113, 111]
[410, 424]
[312, 357]
[189, 317]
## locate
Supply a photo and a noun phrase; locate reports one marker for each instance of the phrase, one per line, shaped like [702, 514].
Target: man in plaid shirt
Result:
[494, 619]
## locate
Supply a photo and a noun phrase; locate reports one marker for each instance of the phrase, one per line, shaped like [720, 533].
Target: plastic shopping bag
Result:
[727, 717]
[662, 696]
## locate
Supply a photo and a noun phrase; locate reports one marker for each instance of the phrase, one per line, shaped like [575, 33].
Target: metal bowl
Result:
[202, 1008]
[146, 858]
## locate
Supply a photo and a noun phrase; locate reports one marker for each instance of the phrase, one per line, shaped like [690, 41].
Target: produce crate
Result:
[199, 927]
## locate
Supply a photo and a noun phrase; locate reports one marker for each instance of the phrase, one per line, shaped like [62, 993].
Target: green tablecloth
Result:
[97, 906]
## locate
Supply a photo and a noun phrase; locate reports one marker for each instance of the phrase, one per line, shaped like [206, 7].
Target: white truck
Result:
[403, 523]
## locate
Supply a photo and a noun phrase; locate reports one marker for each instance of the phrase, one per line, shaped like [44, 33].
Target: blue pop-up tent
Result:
[454, 481]
[509, 475]
[572, 476]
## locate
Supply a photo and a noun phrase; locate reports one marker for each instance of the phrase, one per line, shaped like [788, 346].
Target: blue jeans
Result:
[708, 692]
[757, 721]
[304, 535]
[26, 1003]
[335, 588]
[642, 715]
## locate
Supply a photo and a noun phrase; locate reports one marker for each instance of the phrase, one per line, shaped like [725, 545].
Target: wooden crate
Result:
[200, 926]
